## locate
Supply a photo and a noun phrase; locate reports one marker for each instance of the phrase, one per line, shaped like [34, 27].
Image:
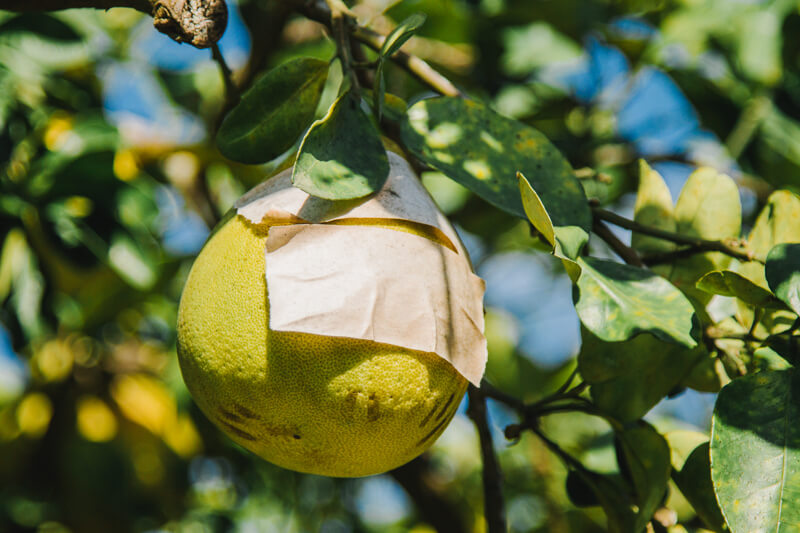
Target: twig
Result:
[363, 67]
[494, 508]
[416, 66]
[200, 23]
[627, 253]
[340, 22]
[669, 257]
[231, 91]
[701, 245]
[490, 391]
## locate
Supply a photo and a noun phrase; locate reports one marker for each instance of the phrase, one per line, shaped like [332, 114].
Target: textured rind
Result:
[323, 405]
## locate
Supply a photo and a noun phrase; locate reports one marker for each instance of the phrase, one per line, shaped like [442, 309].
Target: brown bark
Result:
[200, 23]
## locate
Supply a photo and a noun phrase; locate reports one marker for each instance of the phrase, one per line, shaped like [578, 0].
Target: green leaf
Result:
[342, 156]
[783, 274]
[755, 456]
[628, 378]
[707, 375]
[646, 455]
[273, 112]
[483, 151]
[654, 209]
[694, 481]
[776, 224]
[401, 34]
[566, 241]
[397, 38]
[727, 283]
[768, 358]
[708, 207]
[617, 302]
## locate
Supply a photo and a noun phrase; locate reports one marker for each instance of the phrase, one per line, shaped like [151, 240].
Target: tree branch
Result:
[627, 253]
[700, 245]
[200, 23]
[494, 508]
[416, 66]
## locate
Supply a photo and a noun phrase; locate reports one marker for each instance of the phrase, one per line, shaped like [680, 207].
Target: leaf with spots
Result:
[274, 112]
[783, 274]
[566, 241]
[617, 302]
[483, 151]
[755, 452]
[341, 157]
[629, 378]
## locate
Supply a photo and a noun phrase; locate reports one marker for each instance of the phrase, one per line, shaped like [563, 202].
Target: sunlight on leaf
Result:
[341, 157]
[447, 132]
[617, 302]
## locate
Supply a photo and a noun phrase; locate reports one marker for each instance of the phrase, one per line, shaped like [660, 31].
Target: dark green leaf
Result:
[610, 495]
[483, 151]
[628, 378]
[727, 283]
[755, 451]
[274, 112]
[646, 456]
[783, 274]
[566, 241]
[342, 156]
[617, 302]
[694, 481]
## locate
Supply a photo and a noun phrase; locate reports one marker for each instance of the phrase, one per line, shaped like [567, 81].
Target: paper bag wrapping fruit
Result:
[333, 337]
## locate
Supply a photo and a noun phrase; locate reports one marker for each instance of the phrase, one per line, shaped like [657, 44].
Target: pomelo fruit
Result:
[325, 405]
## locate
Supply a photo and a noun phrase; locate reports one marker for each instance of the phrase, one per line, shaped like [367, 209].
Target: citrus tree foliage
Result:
[647, 154]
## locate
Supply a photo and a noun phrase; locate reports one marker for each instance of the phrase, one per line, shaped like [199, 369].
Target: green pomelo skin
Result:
[323, 405]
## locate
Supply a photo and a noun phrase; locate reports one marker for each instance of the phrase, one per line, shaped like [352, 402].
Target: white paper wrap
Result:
[277, 202]
[366, 281]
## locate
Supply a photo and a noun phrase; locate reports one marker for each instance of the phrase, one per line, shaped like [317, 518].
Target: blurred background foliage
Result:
[111, 181]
